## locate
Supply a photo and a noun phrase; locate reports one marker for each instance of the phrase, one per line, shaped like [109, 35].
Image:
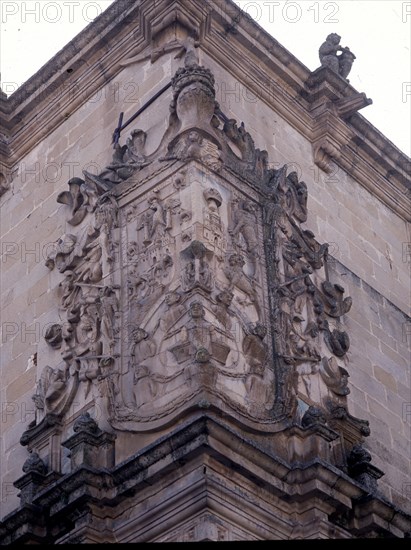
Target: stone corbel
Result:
[347, 106]
[324, 153]
[331, 136]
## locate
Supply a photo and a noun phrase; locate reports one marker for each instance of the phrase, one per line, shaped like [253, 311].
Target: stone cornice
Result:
[91, 60]
[292, 484]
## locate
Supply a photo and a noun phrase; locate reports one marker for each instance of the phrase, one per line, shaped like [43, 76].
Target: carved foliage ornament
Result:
[193, 293]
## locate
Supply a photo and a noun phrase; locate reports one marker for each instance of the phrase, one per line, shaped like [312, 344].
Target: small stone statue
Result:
[342, 63]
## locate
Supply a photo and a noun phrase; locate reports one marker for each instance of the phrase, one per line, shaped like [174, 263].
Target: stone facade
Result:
[205, 264]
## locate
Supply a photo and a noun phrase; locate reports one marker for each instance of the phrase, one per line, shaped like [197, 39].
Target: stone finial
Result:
[213, 198]
[34, 464]
[340, 64]
[358, 455]
[361, 469]
[90, 446]
[85, 423]
[313, 415]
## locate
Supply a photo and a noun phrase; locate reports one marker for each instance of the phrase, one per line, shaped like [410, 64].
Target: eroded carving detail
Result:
[81, 198]
[88, 303]
[127, 160]
[167, 305]
[306, 311]
[340, 64]
[34, 464]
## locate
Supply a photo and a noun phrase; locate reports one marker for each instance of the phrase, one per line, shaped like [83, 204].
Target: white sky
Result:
[378, 32]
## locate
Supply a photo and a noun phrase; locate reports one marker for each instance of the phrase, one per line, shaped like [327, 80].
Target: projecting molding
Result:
[193, 322]
[239, 45]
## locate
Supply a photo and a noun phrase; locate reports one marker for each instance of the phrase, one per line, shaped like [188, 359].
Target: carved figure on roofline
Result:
[340, 64]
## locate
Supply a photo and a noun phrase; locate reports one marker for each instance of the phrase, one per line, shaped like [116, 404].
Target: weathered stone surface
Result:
[201, 295]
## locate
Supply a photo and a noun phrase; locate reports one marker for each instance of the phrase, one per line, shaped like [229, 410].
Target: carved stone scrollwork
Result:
[186, 286]
[324, 153]
[333, 297]
[306, 311]
[54, 336]
[81, 199]
[127, 160]
[337, 341]
[251, 161]
[86, 336]
[334, 376]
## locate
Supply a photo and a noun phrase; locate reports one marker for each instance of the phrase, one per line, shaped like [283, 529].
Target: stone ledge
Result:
[379, 165]
[208, 441]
